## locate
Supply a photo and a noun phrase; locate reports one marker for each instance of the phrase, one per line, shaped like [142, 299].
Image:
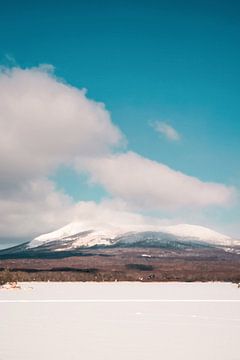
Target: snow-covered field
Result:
[120, 321]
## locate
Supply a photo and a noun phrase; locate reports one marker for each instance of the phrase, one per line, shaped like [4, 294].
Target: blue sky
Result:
[175, 62]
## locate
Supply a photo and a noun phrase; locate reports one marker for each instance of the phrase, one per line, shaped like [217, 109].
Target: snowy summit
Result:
[78, 234]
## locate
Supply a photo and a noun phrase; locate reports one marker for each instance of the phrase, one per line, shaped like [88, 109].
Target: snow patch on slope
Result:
[198, 232]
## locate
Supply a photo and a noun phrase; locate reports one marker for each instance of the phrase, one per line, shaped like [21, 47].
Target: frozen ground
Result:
[120, 321]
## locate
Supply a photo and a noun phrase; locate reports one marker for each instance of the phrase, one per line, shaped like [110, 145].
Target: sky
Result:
[129, 106]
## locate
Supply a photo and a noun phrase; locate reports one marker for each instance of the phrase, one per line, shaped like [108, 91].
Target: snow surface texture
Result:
[206, 328]
[85, 235]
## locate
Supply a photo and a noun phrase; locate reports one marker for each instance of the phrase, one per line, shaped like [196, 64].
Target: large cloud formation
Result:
[45, 123]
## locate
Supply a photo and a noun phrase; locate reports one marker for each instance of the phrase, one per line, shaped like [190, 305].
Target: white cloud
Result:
[166, 130]
[45, 123]
[147, 184]
[114, 213]
[35, 207]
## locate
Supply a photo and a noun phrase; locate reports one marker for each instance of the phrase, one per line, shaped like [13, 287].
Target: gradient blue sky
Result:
[170, 61]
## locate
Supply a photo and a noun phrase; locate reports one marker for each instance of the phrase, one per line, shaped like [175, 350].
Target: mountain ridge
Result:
[78, 235]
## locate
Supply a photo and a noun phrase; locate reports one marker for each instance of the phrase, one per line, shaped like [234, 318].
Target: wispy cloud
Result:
[166, 130]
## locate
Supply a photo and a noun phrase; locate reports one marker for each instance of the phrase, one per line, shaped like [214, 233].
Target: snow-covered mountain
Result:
[79, 235]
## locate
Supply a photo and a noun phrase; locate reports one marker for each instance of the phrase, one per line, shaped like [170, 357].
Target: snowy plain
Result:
[130, 321]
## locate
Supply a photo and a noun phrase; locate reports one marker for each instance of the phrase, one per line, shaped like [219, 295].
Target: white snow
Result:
[68, 230]
[131, 321]
[199, 232]
[104, 234]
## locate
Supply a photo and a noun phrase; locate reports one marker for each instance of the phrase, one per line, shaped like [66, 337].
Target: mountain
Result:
[73, 238]
[77, 235]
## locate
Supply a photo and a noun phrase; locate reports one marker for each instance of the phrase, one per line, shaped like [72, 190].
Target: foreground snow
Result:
[130, 321]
